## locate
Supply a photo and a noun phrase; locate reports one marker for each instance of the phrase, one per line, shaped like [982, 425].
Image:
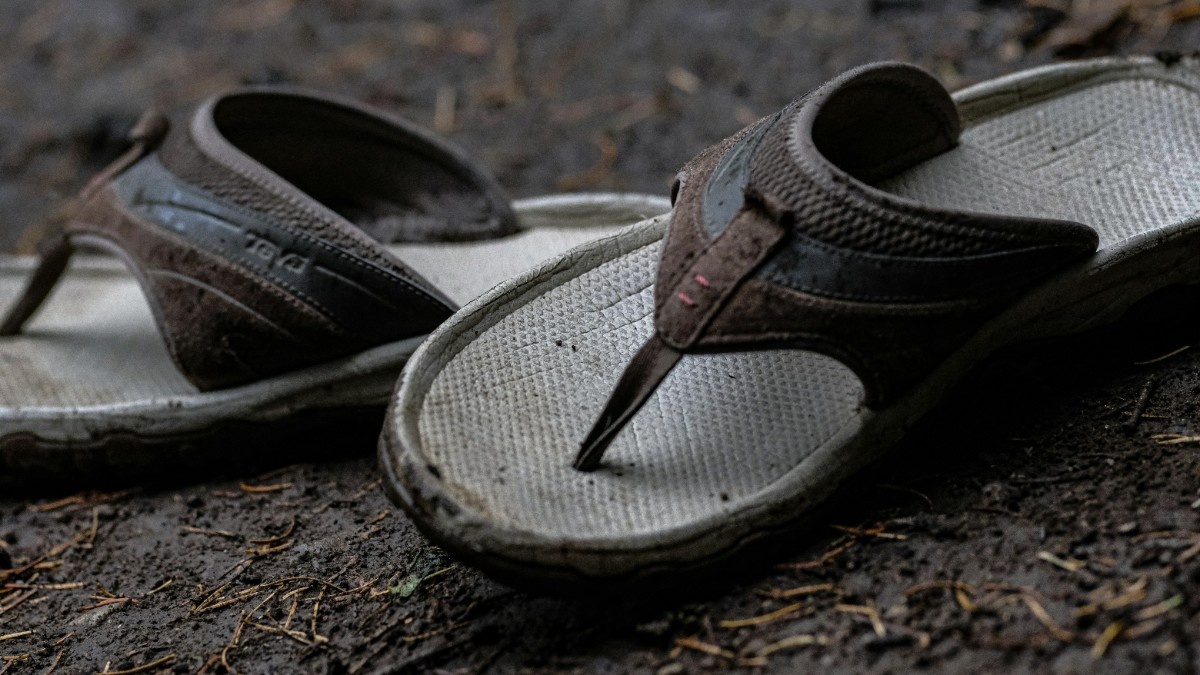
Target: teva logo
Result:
[272, 254]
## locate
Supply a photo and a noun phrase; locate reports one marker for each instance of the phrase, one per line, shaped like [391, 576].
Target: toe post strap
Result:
[56, 253]
[649, 366]
[706, 283]
[56, 248]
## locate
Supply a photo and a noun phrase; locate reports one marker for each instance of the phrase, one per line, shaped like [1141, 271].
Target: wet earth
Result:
[1046, 519]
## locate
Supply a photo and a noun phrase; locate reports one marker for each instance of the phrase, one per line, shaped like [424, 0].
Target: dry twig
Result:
[1106, 638]
[263, 489]
[1046, 620]
[279, 537]
[144, 667]
[868, 611]
[788, 593]
[819, 562]
[188, 529]
[762, 618]
[696, 645]
[1071, 565]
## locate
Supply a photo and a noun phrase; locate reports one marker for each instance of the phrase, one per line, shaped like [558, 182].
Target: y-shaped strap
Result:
[694, 302]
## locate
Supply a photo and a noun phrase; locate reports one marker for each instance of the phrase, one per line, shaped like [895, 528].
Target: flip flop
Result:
[283, 253]
[654, 402]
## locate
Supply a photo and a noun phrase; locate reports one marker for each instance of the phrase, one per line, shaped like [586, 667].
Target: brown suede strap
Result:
[685, 311]
[149, 131]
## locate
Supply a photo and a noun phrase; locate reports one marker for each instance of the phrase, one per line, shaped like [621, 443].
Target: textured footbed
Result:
[95, 344]
[499, 415]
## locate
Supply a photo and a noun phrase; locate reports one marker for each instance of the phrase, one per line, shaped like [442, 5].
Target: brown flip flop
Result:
[652, 403]
[283, 252]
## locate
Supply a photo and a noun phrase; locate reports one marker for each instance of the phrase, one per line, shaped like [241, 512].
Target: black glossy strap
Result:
[364, 298]
[724, 195]
[812, 266]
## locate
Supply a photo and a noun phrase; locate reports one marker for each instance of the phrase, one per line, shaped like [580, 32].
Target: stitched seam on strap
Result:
[418, 294]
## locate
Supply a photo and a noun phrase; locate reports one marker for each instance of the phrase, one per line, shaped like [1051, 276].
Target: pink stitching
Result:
[700, 279]
[686, 300]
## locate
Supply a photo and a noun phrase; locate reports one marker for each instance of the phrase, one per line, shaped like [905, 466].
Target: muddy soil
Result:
[1041, 521]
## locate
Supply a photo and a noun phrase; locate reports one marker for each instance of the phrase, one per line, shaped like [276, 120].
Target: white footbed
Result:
[94, 351]
[499, 398]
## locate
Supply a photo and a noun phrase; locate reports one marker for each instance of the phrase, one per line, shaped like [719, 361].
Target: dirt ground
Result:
[1043, 521]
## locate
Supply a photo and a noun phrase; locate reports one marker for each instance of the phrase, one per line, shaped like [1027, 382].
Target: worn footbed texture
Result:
[502, 419]
[95, 344]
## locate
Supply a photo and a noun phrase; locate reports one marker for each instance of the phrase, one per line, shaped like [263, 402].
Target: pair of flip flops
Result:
[656, 400]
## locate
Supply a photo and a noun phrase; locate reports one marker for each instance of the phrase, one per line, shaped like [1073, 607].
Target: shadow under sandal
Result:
[652, 403]
[284, 252]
